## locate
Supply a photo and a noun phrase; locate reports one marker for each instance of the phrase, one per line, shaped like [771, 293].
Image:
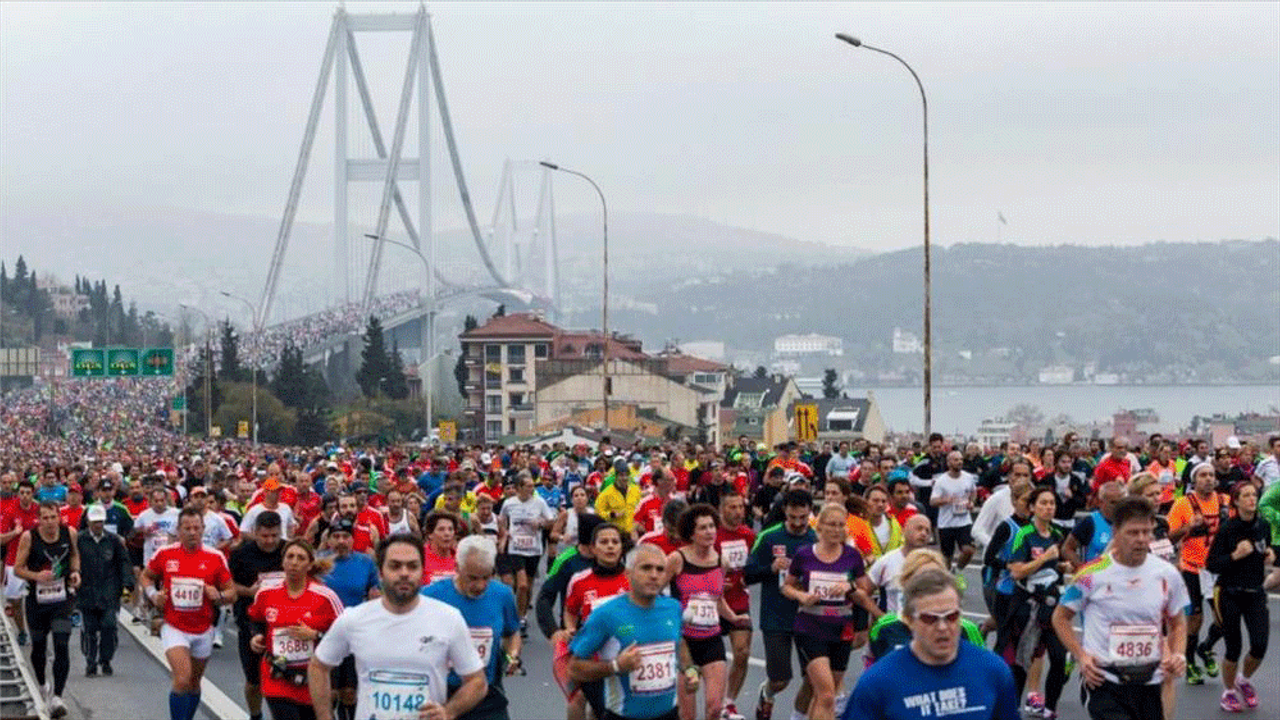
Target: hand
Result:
[808, 599]
[1197, 520]
[1051, 554]
[514, 666]
[213, 593]
[561, 635]
[258, 644]
[432, 711]
[629, 659]
[74, 577]
[839, 590]
[691, 682]
[301, 632]
[1173, 664]
[1090, 672]
[160, 600]
[780, 564]
[1243, 549]
[44, 576]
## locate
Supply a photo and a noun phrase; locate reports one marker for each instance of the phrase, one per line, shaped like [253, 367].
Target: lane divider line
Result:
[216, 702]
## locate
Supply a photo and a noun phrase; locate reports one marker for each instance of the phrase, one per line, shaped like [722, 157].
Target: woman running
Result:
[1034, 567]
[564, 533]
[827, 579]
[1239, 556]
[288, 620]
[588, 589]
[697, 581]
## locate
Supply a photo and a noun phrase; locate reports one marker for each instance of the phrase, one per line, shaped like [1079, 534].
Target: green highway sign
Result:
[180, 403]
[88, 363]
[157, 361]
[122, 362]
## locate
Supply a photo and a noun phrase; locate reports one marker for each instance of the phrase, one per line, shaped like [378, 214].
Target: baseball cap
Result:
[75, 487]
[106, 485]
[1233, 442]
[97, 513]
[270, 484]
[342, 525]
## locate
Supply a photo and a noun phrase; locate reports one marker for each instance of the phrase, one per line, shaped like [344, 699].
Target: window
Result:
[540, 351]
[515, 375]
[753, 421]
[749, 400]
[706, 378]
[493, 404]
[492, 379]
[493, 429]
[511, 426]
[593, 350]
[845, 425]
[515, 354]
[516, 399]
[493, 353]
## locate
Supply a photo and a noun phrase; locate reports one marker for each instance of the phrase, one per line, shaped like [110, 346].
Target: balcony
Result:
[521, 408]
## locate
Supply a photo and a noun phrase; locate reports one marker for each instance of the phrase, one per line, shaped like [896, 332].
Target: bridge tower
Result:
[529, 252]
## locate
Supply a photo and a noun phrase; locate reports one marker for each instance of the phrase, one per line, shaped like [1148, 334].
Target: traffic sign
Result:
[88, 363]
[157, 361]
[242, 429]
[122, 362]
[806, 422]
[180, 403]
[448, 430]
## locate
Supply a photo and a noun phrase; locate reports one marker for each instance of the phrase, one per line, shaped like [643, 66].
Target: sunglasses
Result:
[949, 618]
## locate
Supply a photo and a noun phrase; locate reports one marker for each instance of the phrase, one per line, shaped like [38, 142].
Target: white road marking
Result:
[215, 701]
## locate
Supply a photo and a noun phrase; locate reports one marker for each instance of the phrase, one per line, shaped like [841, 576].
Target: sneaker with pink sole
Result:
[1247, 692]
[1231, 702]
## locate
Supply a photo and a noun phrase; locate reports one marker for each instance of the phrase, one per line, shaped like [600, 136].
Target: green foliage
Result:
[830, 386]
[196, 391]
[276, 422]
[230, 366]
[373, 359]
[395, 384]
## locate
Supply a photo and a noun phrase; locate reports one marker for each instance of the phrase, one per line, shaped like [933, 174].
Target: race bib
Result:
[524, 543]
[186, 593]
[657, 524]
[482, 640]
[54, 591]
[293, 650]
[270, 579]
[735, 554]
[780, 551]
[702, 612]
[823, 584]
[1134, 644]
[393, 695]
[657, 671]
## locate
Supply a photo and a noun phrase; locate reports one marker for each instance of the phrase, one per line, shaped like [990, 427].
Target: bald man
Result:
[884, 573]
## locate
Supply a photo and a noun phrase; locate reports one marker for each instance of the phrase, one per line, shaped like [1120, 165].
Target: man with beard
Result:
[409, 675]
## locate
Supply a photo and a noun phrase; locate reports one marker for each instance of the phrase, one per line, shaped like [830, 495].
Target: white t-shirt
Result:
[1269, 471]
[884, 573]
[215, 530]
[525, 537]
[1124, 608]
[396, 678]
[286, 519]
[958, 492]
[158, 530]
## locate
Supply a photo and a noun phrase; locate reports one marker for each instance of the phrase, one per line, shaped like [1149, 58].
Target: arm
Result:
[123, 566]
[986, 523]
[20, 562]
[1021, 569]
[861, 594]
[318, 684]
[584, 670]
[545, 605]
[511, 645]
[74, 576]
[1070, 551]
[1062, 617]
[468, 695]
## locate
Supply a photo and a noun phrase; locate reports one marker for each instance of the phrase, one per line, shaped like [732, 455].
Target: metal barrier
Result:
[20, 697]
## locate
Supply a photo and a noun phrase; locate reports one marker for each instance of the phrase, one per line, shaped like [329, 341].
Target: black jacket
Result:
[104, 571]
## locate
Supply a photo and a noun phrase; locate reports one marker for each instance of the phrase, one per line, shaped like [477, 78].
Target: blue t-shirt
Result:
[977, 685]
[431, 481]
[491, 618]
[650, 690]
[351, 578]
[55, 493]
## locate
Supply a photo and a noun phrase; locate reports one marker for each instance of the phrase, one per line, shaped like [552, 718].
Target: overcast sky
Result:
[1094, 124]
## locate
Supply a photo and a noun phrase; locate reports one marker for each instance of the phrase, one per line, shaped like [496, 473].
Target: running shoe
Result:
[22, 638]
[524, 629]
[1034, 705]
[1247, 692]
[764, 703]
[1231, 702]
[1050, 714]
[57, 708]
[91, 671]
[1210, 660]
[106, 669]
[730, 712]
[1194, 675]
[961, 582]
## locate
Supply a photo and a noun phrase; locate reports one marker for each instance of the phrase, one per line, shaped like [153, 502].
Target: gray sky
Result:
[1091, 124]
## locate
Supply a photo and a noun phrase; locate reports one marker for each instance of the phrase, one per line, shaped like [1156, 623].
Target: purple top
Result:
[831, 618]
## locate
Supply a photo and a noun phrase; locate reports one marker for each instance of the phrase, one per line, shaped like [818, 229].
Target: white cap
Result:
[97, 513]
[1233, 442]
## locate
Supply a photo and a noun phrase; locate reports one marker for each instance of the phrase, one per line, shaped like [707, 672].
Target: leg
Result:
[40, 628]
[804, 697]
[947, 543]
[1256, 621]
[741, 642]
[107, 642]
[90, 637]
[823, 704]
[576, 708]
[1227, 610]
[713, 683]
[522, 591]
[966, 554]
[61, 654]
[251, 666]
[1057, 679]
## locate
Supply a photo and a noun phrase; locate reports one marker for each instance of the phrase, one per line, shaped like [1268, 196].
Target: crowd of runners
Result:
[398, 582]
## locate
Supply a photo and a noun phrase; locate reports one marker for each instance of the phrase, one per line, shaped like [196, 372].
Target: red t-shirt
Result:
[587, 590]
[288, 496]
[306, 509]
[493, 491]
[370, 516]
[1111, 469]
[71, 515]
[734, 546]
[649, 514]
[17, 516]
[903, 515]
[135, 507]
[660, 539]
[435, 567]
[317, 607]
[682, 477]
[184, 575]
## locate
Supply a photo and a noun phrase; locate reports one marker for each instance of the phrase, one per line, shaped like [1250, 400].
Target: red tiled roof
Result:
[681, 364]
[514, 325]
[579, 341]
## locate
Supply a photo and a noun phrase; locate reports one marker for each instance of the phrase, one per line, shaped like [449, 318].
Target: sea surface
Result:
[960, 410]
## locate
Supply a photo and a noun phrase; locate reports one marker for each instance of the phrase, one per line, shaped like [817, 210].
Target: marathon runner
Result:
[733, 542]
[890, 631]
[1124, 598]
[194, 582]
[441, 528]
[489, 609]
[105, 575]
[20, 516]
[255, 565]
[354, 578]
[886, 571]
[405, 679]
[48, 558]
[632, 644]
[1193, 521]
[287, 618]
[587, 589]
[1088, 539]
[526, 515]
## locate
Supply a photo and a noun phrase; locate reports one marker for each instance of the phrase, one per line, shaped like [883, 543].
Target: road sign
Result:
[88, 363]
[242, 429]
[448, 430]
[180, 403]
[806, 422]
[215, 431]
[157, 361]
[122, 362]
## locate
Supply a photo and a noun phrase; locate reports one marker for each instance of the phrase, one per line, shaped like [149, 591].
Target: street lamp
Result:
[604, 305]
[928, 332]
[257, 353]
[208, 372]
[427, 341]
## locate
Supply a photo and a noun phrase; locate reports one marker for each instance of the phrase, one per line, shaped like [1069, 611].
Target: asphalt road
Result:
[537, 697]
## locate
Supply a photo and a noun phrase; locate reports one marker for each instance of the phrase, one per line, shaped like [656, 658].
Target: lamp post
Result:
[928, 332]
[604, 304]
[208, 371]
[427, 341]
[257, 359]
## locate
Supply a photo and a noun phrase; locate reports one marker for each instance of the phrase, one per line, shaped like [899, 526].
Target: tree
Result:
[290, 382]
[373, 359]
[1025, 414]
[460, 374]
[195, 391]
[231, 369]
[501, 311]
[470, 323]
[830, 388]
[394, 383]
[761, 373]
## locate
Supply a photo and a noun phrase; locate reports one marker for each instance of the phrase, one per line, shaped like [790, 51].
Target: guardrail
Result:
[20, 696]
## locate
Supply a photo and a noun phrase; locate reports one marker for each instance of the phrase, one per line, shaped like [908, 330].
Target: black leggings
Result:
[1055, 679]
[286, 709]
[1231, 606]
[41, 622]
